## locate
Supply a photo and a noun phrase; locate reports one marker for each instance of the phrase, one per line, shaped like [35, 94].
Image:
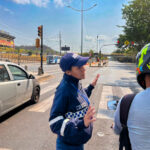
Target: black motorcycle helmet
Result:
[143, 65]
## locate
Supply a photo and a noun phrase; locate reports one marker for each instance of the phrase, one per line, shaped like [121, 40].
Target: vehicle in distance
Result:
[53, 59]
[16, 87]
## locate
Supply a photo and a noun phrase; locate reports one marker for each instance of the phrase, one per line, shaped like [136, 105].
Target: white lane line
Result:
[51, 71]
[126, 90]
[43, 83]
[103, 112]
[107, 94]
[48, 88]
[56, 73]
[46, 103]
[43, 106]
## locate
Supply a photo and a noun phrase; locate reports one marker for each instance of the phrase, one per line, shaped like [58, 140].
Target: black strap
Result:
[124, 108]
[124, 111]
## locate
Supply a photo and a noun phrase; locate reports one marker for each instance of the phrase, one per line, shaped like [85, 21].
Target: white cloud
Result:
[89, 38]
[62, 3]
[103, 37]
[105, 42]
[115, 37]
[39, 3]
[6, 10]
[98, 37]
[43, 3]
[22, 1]
[59, 3]
[9, 11]
[54, 39]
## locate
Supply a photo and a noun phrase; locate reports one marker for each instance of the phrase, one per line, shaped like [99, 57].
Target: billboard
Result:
[7, 43]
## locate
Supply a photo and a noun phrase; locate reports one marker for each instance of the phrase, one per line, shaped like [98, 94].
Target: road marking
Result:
[43, 106]
[49, 88]
[56, 73]
[107, 94]
[126, 90]
[43, 83]
[52, 71]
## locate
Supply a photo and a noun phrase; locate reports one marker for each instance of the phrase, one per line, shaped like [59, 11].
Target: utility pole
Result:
[81, 27]
[97, 43]
[82, 10]
[100, 50]
[60, 42]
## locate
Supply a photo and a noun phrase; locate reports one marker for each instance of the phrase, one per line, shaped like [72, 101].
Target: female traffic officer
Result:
[71, 115]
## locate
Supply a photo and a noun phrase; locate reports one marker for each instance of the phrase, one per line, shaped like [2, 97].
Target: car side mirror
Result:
[31, 76]
[112, 104]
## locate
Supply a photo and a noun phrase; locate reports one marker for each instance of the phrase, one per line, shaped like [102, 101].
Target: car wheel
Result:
[36, 95]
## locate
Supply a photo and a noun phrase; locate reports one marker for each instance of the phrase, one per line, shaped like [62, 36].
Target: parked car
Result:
[16, 87]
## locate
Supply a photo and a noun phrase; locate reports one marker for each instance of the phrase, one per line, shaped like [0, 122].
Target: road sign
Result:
[65, 48]
[95, 54]
[37, 43]
[126, 43]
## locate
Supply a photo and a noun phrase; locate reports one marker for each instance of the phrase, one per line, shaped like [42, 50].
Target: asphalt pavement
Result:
[27, 127]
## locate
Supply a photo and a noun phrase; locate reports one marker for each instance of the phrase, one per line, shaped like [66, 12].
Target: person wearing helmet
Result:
[138, 120]
[71, 115]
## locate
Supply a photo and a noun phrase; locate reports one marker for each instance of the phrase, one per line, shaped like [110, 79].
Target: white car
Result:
[16, 87]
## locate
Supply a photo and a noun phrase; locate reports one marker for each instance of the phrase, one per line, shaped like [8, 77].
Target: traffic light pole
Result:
[42, 50]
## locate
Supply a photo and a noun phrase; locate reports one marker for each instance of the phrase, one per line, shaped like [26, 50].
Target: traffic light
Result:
[132, 42]
[40, 31]
[37, 43]
[118, 42]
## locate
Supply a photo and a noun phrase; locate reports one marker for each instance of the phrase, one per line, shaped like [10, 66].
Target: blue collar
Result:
[71, 79]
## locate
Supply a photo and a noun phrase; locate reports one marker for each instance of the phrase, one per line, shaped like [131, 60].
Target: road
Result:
[27, 128]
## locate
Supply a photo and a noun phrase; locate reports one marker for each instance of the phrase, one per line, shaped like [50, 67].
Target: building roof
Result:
[6, 35]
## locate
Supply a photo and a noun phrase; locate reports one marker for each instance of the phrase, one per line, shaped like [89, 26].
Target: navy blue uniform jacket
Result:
[68, 110]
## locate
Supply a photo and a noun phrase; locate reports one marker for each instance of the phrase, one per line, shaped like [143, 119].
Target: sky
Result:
[21, 19]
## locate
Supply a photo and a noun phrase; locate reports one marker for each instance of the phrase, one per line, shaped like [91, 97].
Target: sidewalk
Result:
[42, 77]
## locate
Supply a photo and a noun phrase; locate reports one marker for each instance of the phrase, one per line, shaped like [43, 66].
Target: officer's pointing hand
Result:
[89, 116]
[95, 80]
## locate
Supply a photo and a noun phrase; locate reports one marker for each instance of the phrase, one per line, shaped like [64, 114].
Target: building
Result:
[6, 40]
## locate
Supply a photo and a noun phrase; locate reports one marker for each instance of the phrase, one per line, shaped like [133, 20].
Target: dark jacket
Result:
[68, 110]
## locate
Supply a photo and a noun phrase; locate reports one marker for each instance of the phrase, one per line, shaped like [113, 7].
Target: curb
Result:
[42, 77]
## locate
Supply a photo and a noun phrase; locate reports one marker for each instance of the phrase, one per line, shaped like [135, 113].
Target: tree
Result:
[91, 53]
[137, 16]
[122, 38]
[85, 54]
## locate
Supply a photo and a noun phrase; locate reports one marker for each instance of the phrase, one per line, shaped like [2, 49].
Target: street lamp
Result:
[100, 51]
[82, 10]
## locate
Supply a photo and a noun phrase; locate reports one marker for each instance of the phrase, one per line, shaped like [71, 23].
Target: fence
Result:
[19, 58]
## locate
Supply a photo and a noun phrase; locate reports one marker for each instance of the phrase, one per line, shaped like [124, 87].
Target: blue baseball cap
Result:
[70, 59]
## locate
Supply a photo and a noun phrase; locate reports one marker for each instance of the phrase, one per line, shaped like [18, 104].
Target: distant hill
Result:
[46, 49]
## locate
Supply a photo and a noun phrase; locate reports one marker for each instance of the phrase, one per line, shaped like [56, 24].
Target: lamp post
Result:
[82, 10]
[100, 51]
[97, 43]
